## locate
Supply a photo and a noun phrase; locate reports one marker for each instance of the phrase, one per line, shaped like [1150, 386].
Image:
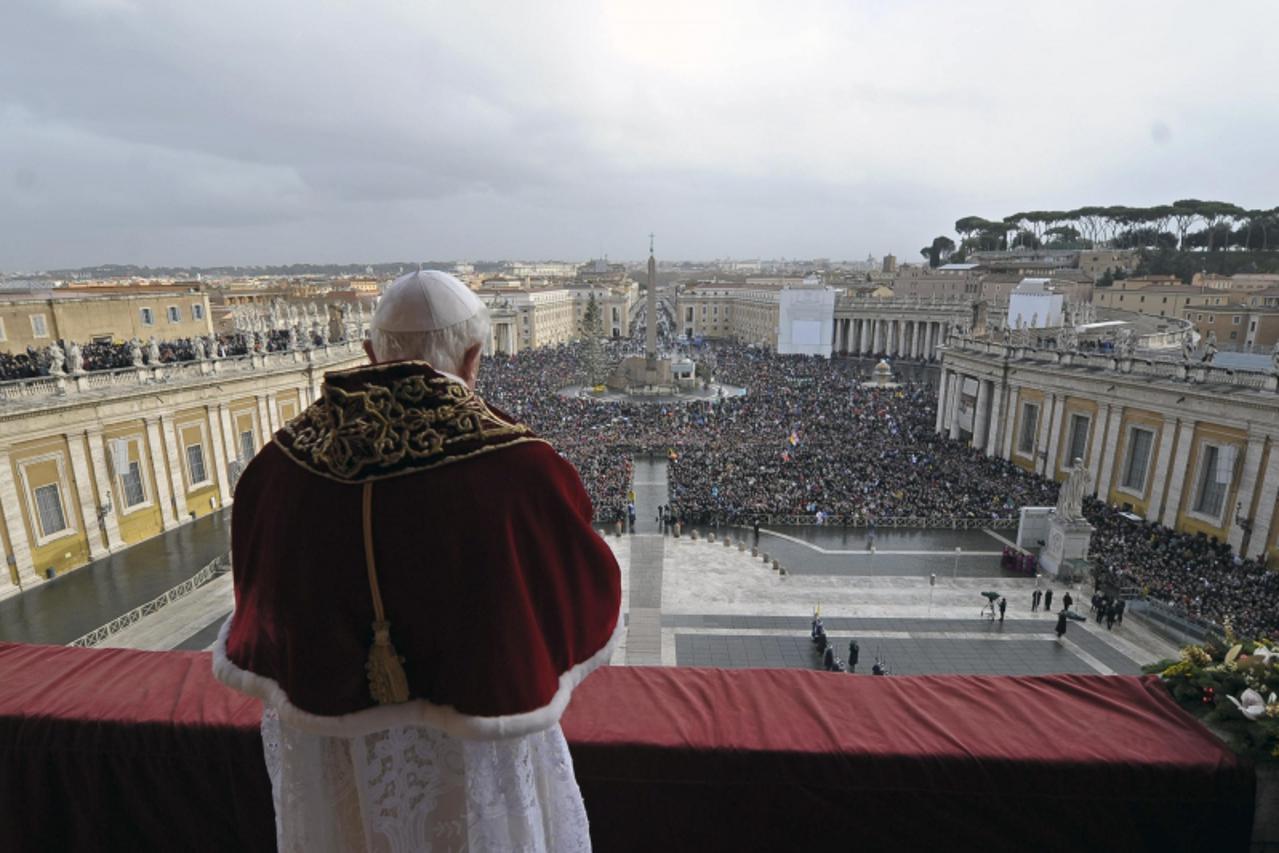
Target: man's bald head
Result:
[430, 316]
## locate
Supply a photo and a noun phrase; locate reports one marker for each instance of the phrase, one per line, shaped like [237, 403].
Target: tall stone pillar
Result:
[981, 417]
[1177, 475]
[1166, 438]
[1247, 488]
[264, 422]
[174, 452]
[11, 507]
[1010, 423]
[996, 422]
[863, 345]
[956, 393]
[1109, 453]
[80, 472]
[1260, 522]
[1041, 433]
[160, 473]
[1054, 439]
[230, 441]
[1097, 437]
[218, 449]
[98, 460]
[943, 388]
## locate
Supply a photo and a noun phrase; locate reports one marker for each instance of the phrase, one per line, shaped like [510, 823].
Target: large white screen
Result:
[805, 333]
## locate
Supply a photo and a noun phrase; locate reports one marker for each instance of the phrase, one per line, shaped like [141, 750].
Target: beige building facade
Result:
[864, 324]
[523, 318]
[37, 320]
[1194, 448]
[95, 463]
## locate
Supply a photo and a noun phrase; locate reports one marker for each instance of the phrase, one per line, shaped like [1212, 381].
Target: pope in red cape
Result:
[408, 557]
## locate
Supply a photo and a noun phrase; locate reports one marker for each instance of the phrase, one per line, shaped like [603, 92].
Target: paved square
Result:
[904, 656]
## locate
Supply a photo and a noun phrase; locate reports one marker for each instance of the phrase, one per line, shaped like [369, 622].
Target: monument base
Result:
[1068, 543]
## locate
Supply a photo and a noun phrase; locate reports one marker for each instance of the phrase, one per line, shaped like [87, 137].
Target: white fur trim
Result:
[416, 712]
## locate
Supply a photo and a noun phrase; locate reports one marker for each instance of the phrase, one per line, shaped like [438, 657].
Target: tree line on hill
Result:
[1185, 225]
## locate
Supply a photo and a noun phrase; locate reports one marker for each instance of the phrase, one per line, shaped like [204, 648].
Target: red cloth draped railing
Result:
[125, 750]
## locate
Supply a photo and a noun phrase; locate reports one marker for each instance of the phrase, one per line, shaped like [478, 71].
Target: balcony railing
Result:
[24, 391]
[1177, 371]
[108, 749]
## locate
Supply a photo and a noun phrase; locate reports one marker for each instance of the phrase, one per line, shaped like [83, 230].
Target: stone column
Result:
[956, 391]
[1177, 480]
[230, 441]
[213, 416]
[1110, 451]
[996, 418]
[865, 343]
[1041, 431]
[1054, 438]
[176, 454]
[160, 473]
[1010, 423]
[98, 460]
[273, 411]
[1247, 488]
[264, 422]
[942, 387]
[981, 418]
[1097, 433]
[11, 507]
[84, 494]
[1260, 522]
[1161, 469]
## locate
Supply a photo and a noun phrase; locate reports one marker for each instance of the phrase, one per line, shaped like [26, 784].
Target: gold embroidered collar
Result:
[384, 420]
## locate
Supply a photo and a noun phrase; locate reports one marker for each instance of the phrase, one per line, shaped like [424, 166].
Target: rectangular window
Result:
[39, 328]
[131, 488]
[1139, 443]
[49, 509]
[1235, 319]
[174, 315]
[1078, 446]
[195, 464]
[247, 445]
[148, 317]
[1029, 425]
[197, 311]
[1216, 466]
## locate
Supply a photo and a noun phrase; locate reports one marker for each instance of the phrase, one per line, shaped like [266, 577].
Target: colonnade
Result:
[918, 339]
[1032, 422]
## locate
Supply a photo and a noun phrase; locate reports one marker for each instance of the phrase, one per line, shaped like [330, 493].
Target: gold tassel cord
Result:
[388, 683]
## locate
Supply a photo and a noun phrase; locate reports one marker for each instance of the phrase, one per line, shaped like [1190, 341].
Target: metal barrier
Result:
[951, 523]
[219, 566]
[1165, 620]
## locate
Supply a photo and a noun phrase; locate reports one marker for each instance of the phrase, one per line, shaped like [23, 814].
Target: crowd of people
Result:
[1199, 576]
[115, 355]
[811, 441]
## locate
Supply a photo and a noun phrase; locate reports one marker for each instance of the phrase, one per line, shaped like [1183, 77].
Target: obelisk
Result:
[650, 337]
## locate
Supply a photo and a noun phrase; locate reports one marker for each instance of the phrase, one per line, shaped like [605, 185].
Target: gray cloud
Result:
[183, 132]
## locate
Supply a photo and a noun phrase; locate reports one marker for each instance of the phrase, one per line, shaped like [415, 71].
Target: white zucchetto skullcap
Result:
[425, 301]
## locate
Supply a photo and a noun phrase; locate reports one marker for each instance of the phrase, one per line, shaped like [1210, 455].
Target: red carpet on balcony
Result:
[116, 749]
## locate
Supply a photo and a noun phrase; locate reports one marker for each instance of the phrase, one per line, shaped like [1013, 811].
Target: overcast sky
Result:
[273, 131]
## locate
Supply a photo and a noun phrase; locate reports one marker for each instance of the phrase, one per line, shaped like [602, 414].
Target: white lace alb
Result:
[413, 788]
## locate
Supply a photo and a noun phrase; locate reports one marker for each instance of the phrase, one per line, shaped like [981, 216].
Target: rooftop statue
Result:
[1070, 500]
[56, 360]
